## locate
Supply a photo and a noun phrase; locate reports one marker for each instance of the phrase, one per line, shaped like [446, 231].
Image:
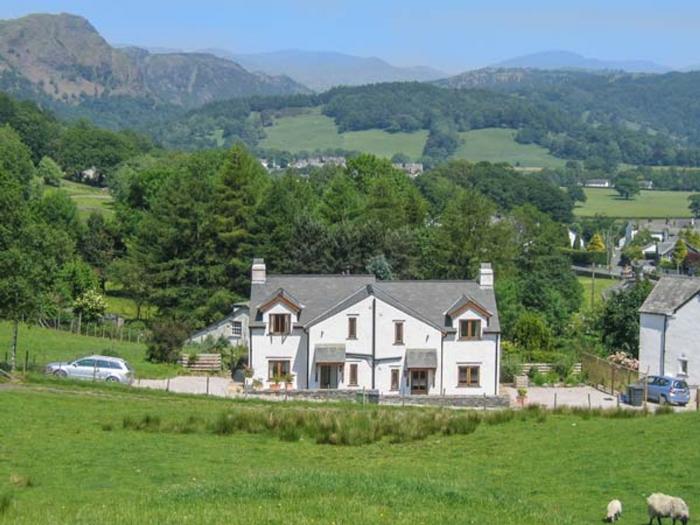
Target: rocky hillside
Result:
[64, 58]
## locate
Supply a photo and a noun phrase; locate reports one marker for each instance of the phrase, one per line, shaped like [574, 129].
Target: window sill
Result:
[351, 338]
[399, 344]
[468, 386]
[470, 339]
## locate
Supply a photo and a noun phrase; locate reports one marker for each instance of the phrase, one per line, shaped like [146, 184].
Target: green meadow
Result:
[648, 204]
[82, 455]
[601, 284]
[88, 198]
[314, 131]
[499, 145]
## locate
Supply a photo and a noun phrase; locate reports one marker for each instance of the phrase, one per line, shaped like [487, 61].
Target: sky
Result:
[451, 35]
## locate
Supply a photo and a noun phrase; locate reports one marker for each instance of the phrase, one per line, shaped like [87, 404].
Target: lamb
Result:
[663, 506]
[614, 511]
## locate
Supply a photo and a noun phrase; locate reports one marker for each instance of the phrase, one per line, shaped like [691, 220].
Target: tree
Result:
[680, 252]
[99, 244]
[627, 186]
[165, 340]
[238, 189]
[380, 268]
[15, 157]
[130, 273]
[531, 333]
[576, 193]
[596, 244]
[400, 158]
[90, 305]
[619, 318]
[695, 204]
[49, 172]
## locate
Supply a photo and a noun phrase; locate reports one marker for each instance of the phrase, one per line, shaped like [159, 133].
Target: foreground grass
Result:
[648, 204]
[67, 458]
[45, 345]
[312, 131]
[499, 145]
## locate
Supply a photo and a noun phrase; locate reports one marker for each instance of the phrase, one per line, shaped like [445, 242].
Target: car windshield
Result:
[680, 384]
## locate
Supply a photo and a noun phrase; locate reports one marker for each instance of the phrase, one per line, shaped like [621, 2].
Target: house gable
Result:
[280, 297]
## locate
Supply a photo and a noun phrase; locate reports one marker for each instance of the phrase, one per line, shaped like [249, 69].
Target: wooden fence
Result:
[607, 376]
[202, 362]
[544, 368]
[104, 329]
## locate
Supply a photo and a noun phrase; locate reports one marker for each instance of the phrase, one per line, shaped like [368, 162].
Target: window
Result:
[88, 363]
[683, 366]
[395, 378]
[236, 329]
[280, 323]
[470, 329]
[353, 374]
[352, 327]
[277, 369]
[398, 332]
[468, 376]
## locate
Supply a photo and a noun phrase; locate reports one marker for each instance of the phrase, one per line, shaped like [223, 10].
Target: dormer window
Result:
[280, 324]
[469, 329]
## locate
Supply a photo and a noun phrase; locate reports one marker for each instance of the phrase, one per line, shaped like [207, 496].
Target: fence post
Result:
[167, 385]
[208, 386]
[589, 401]
[555, 400]
[612, 381]
[697, 399]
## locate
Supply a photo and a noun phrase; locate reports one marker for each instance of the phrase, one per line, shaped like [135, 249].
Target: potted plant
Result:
[522, 396]
[257, 384]
[288, 381]
[247, 376]
[276, 380]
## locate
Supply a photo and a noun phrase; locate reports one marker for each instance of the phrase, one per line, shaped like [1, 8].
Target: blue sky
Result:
[449, 34]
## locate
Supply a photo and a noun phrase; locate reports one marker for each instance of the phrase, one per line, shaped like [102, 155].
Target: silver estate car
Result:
[95, 368]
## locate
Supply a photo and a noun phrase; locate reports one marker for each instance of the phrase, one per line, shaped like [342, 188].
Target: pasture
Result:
[83, 455]
[88, 198]
[313, 131]
[43, 345]
[601, 284]
[648, 204]
[499, 145]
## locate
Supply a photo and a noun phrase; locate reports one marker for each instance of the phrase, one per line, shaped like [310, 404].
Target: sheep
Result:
[663, 506]
[614, 511]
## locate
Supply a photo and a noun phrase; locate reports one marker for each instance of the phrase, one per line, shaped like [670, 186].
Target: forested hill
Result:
[563, 112]
[668, 103]
[62, 61]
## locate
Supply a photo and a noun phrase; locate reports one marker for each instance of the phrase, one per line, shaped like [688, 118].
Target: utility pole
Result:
[593, 287]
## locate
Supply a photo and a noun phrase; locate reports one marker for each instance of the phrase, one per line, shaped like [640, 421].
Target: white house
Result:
[669, 329]
[597, 183]
[233, 327]
[355, 332]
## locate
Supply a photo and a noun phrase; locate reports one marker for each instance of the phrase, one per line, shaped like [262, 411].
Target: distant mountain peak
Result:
[562, 59]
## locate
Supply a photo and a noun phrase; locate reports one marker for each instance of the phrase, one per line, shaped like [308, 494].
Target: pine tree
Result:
[237, 193]
[596, 244]
[680, 252]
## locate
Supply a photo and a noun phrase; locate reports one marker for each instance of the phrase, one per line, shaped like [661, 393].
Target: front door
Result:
[329, 376]
[419, 381]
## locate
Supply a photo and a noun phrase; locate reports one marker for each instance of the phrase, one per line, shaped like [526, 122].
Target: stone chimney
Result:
[486, 275]
[259, 272]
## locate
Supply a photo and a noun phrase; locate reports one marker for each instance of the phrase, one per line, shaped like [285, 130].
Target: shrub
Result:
[5, 502]
[511, 366]
[165, 341]
[562, 366]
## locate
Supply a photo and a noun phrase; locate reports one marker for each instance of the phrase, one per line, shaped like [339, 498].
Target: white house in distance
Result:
[669, 332]
[233, 327]
[396, 337]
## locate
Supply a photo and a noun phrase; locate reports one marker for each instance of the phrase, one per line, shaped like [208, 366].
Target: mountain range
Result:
[64, 58]
[558, 59]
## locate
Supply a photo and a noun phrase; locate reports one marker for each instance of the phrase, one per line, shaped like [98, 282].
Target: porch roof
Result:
[421, 358]
[329, 353]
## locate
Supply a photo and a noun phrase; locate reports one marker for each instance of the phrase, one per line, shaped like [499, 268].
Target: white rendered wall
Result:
[651, 329]
[683, 341]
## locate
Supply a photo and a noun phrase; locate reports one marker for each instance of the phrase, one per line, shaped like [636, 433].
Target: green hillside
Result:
[314, 131]
[88, 198]
[648, 204]
[499, 145]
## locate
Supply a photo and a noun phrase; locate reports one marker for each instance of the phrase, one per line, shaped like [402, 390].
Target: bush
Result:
[511, 366]
[165, 341]
[562, 366]
[532, 333]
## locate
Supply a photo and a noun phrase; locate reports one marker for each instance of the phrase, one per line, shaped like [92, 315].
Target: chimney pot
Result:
[486, 275]
[258, 272]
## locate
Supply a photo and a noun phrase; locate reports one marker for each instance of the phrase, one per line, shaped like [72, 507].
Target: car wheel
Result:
[112, 379]
[60, 373]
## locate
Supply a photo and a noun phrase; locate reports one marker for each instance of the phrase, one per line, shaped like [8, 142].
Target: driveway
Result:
[577, 396]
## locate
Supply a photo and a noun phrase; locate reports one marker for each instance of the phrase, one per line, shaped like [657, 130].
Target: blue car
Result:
[665, 389]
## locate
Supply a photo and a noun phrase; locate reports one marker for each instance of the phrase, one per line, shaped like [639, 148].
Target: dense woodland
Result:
[187, 226]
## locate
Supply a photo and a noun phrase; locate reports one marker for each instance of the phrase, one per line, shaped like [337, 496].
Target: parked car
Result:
[665, 389]
[94, 367]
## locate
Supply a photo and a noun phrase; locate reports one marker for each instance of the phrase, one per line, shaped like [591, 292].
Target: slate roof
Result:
[669, 294]
[323, 295]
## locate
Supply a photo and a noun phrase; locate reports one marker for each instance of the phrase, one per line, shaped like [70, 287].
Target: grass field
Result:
[601, 284]
[648, 204]
[312, 131]
[45, 345]
[498, 145]
[88, 198]
[67, 457]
